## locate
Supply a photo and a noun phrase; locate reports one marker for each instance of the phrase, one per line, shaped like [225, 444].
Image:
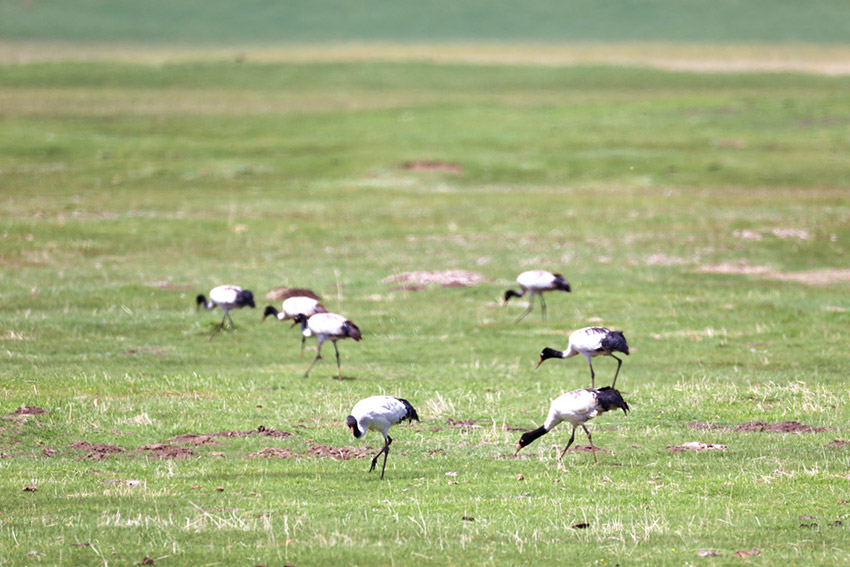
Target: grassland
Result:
[128, 188]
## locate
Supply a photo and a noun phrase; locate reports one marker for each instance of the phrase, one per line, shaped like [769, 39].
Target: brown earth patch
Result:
[340, 453]
[273, 452]
[810, 277]
[24, 412]
[705, 426]
[837, 443]
[261, 430]
[782, 427]
[195, 439]
[587, 449]
[696, 446]
[461, 423]
[445, 278]
[166, 451]
[282, 292]
[95, 451]
[440, 166]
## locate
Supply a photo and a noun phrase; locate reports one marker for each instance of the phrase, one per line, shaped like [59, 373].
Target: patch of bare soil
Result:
[166, 451]
[282, 292]
[439, 166]
[705, 426]
[696, 446]
[273, 452]
[587, 449]
[809, 277]
[837, 443]
[445, 278]
[341, 453]
[24, 412]
[195, 439]
[95, 451]
[782, 427]
[261, 430]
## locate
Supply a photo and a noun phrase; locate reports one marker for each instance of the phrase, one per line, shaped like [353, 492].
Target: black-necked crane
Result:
[576, 408]
[590, 342]
[296, 305]
[535, 282]
[327, 326]
[227, 297]
[379, 413]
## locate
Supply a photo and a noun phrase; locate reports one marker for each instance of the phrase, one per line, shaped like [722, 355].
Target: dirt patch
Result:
[341, 453]
[261, 430]
[445, 278]
[705, 426]
[273, 453]
[837, 443]
[95, 451]
[281, 293]
[195, 439]
[809, 277]
[696, 446]
[24, 412]
[782, 427]
[439, 166]
[587, 449]
[462, 423]
[166, 451]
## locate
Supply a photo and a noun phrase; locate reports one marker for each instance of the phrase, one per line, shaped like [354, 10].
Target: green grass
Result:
[544, 21]
[128, 189]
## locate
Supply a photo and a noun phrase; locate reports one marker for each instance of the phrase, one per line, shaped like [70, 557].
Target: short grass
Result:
[127, 189]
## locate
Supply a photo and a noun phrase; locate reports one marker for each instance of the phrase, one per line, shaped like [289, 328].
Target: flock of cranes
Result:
[382, 412]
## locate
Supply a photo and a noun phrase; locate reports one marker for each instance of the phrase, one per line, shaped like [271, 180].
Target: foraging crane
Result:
[536, 282]
[379, 413]
[227, 297]
[590, 342]
[576, 408]
[327, 326]
[296, 305]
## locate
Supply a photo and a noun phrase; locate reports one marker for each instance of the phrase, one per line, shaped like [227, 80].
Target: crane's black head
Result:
[269, 311]
[529, 437]
[511, 293]
[300, 318]
[245, 297]
[610, 399]
[352, 425]
[200, 300]
[548, 353]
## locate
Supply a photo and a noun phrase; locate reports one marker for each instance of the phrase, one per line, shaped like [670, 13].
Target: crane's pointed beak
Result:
[539, 362]
[518, 447]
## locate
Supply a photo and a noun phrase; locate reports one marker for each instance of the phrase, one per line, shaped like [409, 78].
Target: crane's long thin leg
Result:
[570, 442]
[338, 368]
[542, 307]
[303, 341]
[219, 327]
[528, 310]
[619, 364]
[386, 454]
[227, 315]
[592, 447]
[592, 373]
[318, 357]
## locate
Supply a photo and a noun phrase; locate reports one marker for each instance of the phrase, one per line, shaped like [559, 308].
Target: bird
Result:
[535, 282]
[590, 342]
[327, 326]
[379, 413]
[576, 408]
[227, 297]
[296, 305]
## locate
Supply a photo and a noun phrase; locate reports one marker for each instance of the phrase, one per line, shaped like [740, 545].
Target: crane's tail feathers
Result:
[615, 341]
[411, 411]
[610, 399]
